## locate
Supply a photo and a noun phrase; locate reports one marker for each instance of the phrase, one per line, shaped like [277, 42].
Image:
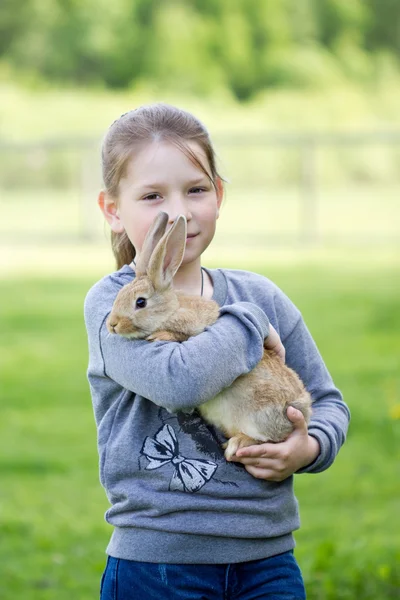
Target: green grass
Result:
[52, 505]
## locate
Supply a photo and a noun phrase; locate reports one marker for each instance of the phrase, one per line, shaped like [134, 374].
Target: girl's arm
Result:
[330, 415]
[179, 376]
[306, 450]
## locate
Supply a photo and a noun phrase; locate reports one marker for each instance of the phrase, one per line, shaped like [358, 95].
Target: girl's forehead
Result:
[163, 156]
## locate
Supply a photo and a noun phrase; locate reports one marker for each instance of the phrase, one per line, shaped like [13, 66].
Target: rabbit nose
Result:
[112, 325]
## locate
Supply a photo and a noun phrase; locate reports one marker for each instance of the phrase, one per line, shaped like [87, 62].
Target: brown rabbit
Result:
[253, 409]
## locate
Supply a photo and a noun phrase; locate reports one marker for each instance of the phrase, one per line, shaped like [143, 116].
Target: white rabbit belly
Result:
[234, 412]
[226, 410]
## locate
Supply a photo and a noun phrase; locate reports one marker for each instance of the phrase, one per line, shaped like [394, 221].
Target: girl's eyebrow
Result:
[155, 184]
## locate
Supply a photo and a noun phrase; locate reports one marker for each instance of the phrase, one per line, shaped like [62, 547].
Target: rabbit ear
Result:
[168, 255]
[153, 236]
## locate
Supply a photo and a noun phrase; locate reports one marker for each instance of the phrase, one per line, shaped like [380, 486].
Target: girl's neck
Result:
[190, 279]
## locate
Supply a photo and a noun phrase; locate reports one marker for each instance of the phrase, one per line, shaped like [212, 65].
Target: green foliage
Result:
[14, 17]
[384, 26]
[52, 505]
[199, 46]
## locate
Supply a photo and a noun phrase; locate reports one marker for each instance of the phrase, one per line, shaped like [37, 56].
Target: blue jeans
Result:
[275, 578]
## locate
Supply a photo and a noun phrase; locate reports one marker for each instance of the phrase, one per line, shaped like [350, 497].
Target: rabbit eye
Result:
[141, 302]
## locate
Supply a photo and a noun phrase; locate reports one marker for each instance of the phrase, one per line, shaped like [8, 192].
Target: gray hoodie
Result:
[173, 496]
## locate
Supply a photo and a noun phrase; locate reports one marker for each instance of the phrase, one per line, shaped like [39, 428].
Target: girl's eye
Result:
[141, 302]
[153, 196]
[197, 190]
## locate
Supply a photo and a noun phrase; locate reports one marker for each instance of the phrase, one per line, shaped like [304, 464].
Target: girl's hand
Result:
[276, 462]
[273, 342]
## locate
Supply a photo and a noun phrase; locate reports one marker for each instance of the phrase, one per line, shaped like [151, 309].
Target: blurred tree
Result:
[14, 14]
[237, 51]
[116, 40]
[337, 18]
[384, 27]
[343, 25]
[200, 45]
[178, 49]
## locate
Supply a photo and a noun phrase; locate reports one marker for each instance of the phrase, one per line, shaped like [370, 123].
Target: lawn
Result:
[52, 505]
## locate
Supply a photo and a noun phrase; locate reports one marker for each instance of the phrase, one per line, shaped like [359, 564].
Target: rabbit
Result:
[253, 409]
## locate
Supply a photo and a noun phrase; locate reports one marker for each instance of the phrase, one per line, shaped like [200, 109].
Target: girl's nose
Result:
[181, 211]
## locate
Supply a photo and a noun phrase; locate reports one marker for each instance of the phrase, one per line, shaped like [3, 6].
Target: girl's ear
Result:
[153, 236]
[220, 193]
[109, 209]
[168, 255]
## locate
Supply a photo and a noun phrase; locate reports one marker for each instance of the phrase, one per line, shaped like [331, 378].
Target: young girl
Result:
[187, 523]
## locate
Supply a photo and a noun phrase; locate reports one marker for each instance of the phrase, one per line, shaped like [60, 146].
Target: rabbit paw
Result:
[161, 336]
[238, 441]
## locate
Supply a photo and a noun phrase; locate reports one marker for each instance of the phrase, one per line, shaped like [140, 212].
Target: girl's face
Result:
[160, 177]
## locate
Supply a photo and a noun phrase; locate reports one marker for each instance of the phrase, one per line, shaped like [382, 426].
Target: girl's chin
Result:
[195, 247]
[191, 255]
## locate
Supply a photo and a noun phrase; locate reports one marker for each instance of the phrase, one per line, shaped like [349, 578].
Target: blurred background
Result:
[301, 98]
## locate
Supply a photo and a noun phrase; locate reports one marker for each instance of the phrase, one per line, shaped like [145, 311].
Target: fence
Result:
[284, 188]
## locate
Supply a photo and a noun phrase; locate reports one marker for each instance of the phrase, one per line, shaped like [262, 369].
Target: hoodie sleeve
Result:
[178, 376]
[330, 415]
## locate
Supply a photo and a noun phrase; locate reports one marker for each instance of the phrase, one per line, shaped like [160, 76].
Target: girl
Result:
[187, 523]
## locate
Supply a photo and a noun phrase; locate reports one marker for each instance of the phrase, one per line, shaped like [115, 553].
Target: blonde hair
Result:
[154, 122]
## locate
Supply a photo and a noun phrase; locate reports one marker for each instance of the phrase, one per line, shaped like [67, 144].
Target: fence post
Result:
[308, 191]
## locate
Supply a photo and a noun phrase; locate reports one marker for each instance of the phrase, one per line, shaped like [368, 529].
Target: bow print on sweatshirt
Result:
[190, 474]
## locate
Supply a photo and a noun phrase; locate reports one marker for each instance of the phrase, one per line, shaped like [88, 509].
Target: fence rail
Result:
[292, 165]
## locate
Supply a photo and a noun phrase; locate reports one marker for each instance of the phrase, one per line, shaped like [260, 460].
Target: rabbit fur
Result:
[253, 409]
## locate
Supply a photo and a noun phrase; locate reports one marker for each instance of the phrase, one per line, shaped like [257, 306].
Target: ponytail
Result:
[123, 249]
